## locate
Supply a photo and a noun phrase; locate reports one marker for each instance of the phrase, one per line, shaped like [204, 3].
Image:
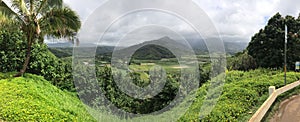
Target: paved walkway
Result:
[289, 110]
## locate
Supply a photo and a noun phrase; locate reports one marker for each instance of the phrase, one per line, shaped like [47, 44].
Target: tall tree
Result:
[267, 46]
[38, 18]
[293, 45]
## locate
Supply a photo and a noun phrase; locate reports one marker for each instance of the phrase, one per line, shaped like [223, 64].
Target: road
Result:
[289, 110]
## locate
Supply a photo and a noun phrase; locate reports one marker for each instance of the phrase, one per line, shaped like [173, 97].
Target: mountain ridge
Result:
[198, 46]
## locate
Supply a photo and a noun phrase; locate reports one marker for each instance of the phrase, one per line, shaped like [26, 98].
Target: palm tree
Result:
[38, 18]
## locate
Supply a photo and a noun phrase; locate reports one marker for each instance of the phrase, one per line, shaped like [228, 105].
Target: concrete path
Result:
[289, 110]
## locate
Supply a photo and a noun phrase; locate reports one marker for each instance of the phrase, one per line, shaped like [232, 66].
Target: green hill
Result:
[152, 52]
[61, 52]
[32, 98]
[242, 94]
[155, 49]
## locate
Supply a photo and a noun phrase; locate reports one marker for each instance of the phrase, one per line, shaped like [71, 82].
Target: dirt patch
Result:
[289, 110]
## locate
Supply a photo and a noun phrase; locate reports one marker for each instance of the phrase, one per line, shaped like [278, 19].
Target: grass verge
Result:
[32, 98]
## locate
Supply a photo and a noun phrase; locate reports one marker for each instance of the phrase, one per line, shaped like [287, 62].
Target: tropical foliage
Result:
[241, 61]
[37, 19]
[106, 84]
[267, 46]
[25, 23]
[43, 62]
[242, 94]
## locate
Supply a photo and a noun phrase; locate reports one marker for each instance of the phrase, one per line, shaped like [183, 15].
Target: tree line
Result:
[266, 48]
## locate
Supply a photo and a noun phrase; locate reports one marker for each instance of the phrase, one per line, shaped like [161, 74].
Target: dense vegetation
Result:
[43, 62]
[241, 61]
[32, 98]
[242, 94]
[267, 46]
[37, 19]
[106, 84]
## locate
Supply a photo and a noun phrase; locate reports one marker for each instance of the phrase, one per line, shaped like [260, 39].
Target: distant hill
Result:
[231, 47]
[61, 52]
[68, 51]
[151, 49]
[147, 49]
[154, 50]
[60, 44]
[235, 47]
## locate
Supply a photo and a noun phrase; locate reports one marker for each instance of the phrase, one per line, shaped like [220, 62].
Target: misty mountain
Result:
[60, 44]
[67, 51]
[157, 49]
[231, 47]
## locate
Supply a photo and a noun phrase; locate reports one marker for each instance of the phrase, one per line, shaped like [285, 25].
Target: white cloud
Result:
[239, 19]
[84, 7]
[235, 20]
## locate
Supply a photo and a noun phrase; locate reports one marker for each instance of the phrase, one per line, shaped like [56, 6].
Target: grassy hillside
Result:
[31, 98]
[61, 52]
[152, 52]
[243, 93]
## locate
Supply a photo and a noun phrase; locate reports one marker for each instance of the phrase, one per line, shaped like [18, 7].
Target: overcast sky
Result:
[235, 20]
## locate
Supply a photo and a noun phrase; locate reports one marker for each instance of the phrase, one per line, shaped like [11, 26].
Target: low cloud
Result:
[235, 20]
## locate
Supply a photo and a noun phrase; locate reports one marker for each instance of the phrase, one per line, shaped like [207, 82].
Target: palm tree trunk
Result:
[28, 54]
[22, 71]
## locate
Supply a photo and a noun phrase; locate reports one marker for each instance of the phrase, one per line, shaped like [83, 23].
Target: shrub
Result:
[243, 92]
[241, 61]
[42, 61]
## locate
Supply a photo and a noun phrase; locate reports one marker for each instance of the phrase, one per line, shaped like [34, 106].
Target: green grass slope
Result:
[31, 98]
[242, 94]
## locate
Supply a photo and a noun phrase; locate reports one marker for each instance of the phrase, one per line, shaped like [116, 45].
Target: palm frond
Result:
[4, 18]
[20, 5]
[42, 5]
[7, 11]
[46, 5]
[31, 2]
[55, 3]
[60, 22]
[8, 23]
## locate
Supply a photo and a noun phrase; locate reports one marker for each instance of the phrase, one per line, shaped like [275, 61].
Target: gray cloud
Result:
[289, 7]
[235, 20]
